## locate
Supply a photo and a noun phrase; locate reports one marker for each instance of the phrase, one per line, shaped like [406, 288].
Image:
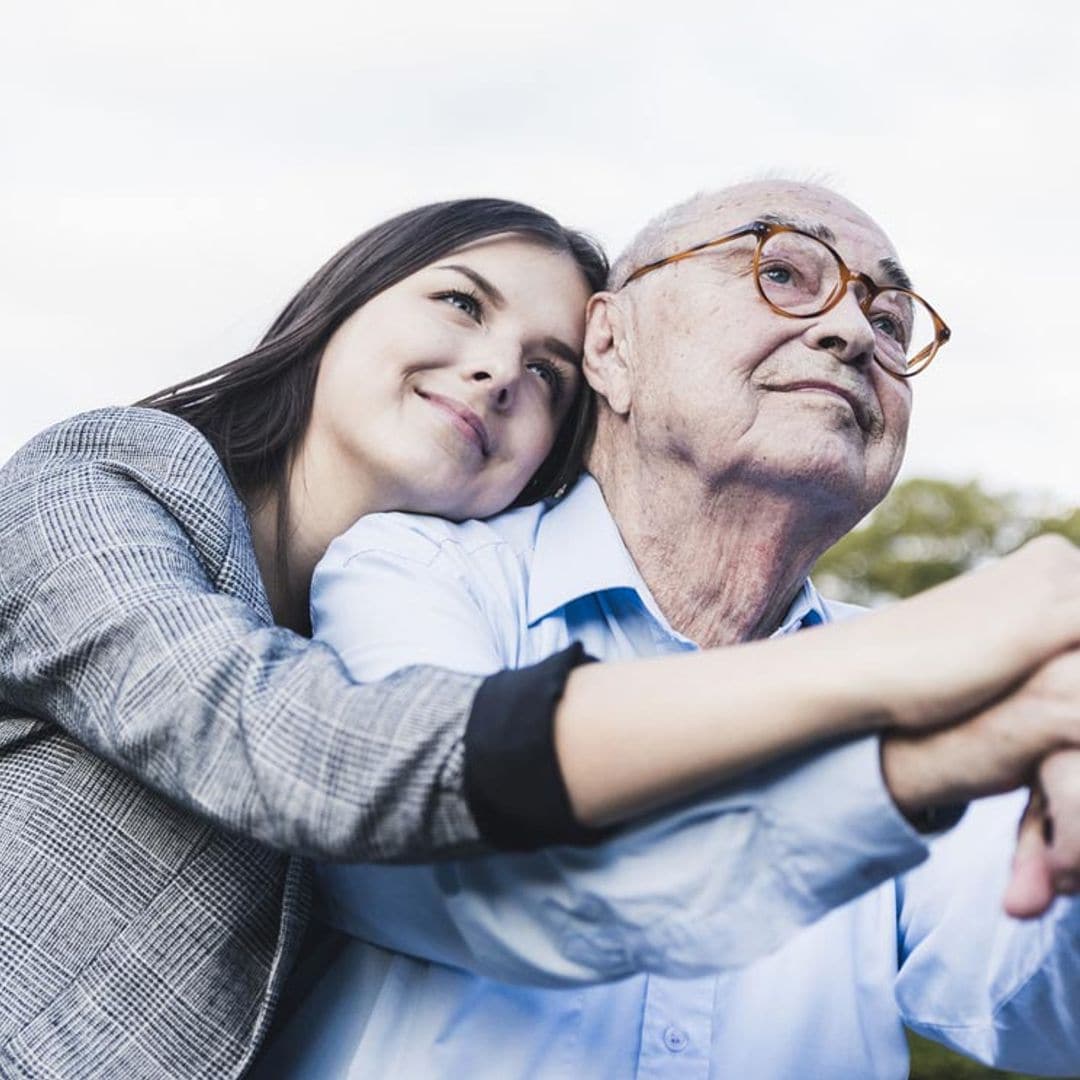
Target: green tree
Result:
[926, 532]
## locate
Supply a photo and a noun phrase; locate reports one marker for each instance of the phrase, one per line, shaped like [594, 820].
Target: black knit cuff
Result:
[513, 782]
[937, 819]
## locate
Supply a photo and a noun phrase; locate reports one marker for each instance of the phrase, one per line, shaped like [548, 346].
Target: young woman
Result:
[154, 572]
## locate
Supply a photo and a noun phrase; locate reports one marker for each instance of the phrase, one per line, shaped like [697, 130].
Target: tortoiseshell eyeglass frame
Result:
[764, 231]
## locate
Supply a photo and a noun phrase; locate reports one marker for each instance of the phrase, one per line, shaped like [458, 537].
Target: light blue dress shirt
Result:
[424, 986]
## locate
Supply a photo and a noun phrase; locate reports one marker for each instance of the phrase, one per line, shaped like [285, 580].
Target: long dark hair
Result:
[255, 410]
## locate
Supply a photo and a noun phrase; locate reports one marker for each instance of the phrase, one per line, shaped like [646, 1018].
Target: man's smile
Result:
[865, 414]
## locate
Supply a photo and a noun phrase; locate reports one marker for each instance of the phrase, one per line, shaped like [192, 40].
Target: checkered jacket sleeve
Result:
[132, 615]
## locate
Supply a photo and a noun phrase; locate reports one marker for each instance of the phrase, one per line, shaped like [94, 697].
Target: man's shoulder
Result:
[422, 538]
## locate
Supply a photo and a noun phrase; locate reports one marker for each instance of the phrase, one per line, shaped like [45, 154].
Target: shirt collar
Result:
[807, 609]
[579, 551]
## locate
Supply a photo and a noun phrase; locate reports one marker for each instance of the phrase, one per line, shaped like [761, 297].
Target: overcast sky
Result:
[171, 171]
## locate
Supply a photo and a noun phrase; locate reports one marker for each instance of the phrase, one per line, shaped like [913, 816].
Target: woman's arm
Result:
[132, 615]
[931, 660]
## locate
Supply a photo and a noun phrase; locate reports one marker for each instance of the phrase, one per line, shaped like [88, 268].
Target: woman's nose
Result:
[497, 375]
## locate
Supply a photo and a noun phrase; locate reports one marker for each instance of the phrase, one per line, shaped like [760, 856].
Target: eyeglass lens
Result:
[801, 276]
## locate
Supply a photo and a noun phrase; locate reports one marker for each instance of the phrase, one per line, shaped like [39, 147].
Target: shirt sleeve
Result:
[1005, 991]
[711, 886]
[121, 622]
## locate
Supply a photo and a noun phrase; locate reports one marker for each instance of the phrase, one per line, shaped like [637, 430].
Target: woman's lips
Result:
[462, 418]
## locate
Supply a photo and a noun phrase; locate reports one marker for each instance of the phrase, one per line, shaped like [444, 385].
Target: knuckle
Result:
[1062, 767]
[1052, 548]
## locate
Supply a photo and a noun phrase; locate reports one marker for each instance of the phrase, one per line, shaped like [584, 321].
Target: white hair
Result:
[657, 237]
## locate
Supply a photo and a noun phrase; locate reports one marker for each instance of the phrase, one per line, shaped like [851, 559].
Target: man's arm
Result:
[996, 749]
[708, 888]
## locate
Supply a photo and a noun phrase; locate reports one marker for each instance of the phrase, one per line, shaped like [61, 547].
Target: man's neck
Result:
[723, 562]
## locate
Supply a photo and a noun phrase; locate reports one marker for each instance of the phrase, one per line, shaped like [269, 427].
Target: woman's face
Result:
[443, 394]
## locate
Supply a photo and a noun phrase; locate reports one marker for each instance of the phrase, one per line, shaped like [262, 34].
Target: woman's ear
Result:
[606, 354]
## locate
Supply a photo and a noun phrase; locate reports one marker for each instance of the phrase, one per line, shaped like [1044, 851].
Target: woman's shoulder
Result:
[127, 431]
[135, 461]
[130, 478]
[157, 450]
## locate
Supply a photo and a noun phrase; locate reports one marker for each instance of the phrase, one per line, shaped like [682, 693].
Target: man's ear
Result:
[606, 351]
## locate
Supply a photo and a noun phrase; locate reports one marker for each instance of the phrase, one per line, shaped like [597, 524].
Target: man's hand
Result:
[998, 749]
[1047, 859]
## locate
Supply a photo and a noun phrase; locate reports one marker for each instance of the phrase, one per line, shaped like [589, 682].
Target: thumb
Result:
[1031, 883]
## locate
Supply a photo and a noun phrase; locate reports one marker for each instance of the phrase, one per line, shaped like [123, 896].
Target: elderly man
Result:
[752, 363]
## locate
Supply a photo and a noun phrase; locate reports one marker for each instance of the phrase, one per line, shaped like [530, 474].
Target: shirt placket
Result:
[676, 1029]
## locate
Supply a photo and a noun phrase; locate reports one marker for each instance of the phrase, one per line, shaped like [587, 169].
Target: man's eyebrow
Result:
[480, 282]
[894, 273]
[814, 228]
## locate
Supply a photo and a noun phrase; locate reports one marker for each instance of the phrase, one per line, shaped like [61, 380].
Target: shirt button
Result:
[676, 1040]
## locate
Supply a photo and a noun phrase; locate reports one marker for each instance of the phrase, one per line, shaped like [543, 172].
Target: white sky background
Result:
[171, 172]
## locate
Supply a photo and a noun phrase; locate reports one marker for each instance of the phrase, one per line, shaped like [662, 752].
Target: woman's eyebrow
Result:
[562, 350]
[481, 282]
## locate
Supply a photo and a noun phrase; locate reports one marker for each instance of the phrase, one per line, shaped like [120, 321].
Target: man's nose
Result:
[844, 331]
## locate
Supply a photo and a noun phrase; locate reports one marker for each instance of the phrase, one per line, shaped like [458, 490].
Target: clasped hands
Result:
[991, 703]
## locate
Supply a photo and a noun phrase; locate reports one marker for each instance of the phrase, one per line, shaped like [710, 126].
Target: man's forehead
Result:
[809, 208]
[816, 210]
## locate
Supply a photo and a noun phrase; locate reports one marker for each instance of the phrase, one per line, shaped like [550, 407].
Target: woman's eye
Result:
[550, 375]
[463, 301]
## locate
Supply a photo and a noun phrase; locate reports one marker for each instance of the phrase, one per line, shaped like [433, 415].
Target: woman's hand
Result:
[941, 655]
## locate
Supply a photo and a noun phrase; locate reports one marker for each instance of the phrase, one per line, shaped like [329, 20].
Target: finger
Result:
[1059, 777]
[1031, 882]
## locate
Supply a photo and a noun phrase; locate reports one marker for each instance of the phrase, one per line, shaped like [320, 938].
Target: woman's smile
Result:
[462, 419]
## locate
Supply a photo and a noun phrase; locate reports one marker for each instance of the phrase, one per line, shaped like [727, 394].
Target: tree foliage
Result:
[926, 532]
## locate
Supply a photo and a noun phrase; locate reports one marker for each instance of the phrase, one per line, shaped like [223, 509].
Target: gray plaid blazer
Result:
[147, 913]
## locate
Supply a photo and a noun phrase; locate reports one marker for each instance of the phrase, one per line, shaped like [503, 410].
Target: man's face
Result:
[722, 384]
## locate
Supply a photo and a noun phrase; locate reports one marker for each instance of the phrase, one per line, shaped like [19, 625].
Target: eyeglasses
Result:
[801, 277]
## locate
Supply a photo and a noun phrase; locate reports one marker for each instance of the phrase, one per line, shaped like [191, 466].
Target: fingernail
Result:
[1048, 830]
